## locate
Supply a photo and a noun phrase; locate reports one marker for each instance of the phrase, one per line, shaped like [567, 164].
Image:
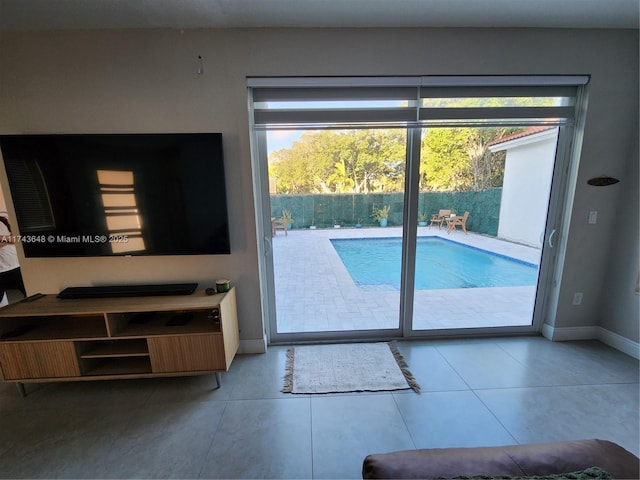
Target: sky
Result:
[278, 139]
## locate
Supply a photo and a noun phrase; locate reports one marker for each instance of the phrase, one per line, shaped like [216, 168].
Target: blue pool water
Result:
[375, 264]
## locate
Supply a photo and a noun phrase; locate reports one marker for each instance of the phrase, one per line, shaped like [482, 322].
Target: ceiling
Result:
[185, 14]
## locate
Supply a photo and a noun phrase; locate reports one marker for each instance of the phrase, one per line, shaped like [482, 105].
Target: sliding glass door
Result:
[461, 176]
[484, 192]
[329, 192]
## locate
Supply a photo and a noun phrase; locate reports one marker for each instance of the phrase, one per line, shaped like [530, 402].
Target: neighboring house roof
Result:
[521, 138]
[524, 133]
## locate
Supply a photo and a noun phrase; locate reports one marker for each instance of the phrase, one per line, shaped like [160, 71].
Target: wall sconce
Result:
[602, 181]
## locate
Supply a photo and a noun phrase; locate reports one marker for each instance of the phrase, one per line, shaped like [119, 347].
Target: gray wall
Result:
[146, 81]
[619, 307]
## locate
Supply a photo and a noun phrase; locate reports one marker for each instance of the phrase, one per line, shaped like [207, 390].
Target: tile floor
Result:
[314, 291]
[474, 392]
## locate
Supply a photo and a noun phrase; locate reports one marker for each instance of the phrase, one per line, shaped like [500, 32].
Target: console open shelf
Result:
[54, 327]
[177, 322]
[113, 348]
[118, 367]
[52, 339]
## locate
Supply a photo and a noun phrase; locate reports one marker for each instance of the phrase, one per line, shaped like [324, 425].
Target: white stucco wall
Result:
[525, 191]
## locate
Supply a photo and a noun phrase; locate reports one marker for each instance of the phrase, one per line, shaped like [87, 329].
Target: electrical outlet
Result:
[577, 298]
[593, 217]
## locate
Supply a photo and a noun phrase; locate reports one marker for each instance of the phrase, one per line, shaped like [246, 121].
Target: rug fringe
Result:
[404, 367]
[288, 372]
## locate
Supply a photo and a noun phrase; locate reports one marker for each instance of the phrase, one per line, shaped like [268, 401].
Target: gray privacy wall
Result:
[347, 210]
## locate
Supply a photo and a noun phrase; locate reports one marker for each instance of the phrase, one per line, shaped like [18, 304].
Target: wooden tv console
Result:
[52, 339]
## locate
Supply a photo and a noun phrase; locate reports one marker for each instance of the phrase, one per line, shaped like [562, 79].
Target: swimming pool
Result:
[374, 264]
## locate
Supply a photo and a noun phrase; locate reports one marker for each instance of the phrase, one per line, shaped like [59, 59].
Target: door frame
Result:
[551, 264]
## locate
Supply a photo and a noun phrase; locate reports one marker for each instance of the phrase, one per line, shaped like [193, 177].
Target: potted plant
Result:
[422, 219]
[359, 224]
[381, 215]
[287, 219]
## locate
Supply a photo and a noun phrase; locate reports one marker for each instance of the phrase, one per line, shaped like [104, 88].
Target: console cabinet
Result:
[53, 339]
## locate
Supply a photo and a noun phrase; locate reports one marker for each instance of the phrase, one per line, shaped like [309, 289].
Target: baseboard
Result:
[619, 342]
[253, 346]
[607, 337]
[547, 331]
[564, 334]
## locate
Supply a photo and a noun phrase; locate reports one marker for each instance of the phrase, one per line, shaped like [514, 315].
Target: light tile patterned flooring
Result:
[314, 291]
[478, 392]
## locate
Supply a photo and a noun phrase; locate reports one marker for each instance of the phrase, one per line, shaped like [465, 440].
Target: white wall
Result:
[525, 190]
[620, 303]
[146, 81]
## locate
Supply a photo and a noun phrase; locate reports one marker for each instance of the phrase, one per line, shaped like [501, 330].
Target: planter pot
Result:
[336, 226]
[358, 225]
[312, 227]
[422, 224]
[289, 226]
[383, 222]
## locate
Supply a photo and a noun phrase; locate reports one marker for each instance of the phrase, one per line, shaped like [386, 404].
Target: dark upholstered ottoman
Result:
[513, 460]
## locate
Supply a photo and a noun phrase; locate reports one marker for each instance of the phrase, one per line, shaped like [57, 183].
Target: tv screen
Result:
[118, 194]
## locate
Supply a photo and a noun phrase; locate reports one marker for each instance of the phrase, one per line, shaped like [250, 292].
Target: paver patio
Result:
[314, 291]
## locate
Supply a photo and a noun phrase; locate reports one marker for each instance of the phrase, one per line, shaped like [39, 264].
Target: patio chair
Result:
[439, 218]
[278, 224]
[453, 222]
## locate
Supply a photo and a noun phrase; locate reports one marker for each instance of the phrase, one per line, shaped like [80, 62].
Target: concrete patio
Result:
[314, 291]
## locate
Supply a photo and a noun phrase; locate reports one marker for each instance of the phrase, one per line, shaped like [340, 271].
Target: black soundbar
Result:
[108, 291]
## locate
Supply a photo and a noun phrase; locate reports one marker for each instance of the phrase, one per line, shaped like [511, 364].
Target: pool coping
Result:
[314, 291]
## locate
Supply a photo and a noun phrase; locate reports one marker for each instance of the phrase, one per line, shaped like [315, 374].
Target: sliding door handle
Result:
[267, 246]
[553, 232]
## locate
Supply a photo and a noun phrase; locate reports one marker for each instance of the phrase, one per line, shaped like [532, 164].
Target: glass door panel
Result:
[484, 198]
[336, 202]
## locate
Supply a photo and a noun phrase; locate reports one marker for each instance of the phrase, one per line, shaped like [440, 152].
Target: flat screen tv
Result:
[118, 194]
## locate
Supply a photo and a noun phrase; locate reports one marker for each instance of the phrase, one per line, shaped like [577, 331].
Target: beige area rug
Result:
[355, 367]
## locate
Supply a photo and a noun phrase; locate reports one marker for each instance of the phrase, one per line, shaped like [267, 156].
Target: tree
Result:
[444, 163]
[459, 158]
[359, 161]
[304, 167]
[340, 179]
[373, 160]
[487, 168]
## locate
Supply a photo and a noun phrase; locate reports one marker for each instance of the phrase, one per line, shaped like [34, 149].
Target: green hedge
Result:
[327, 210]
